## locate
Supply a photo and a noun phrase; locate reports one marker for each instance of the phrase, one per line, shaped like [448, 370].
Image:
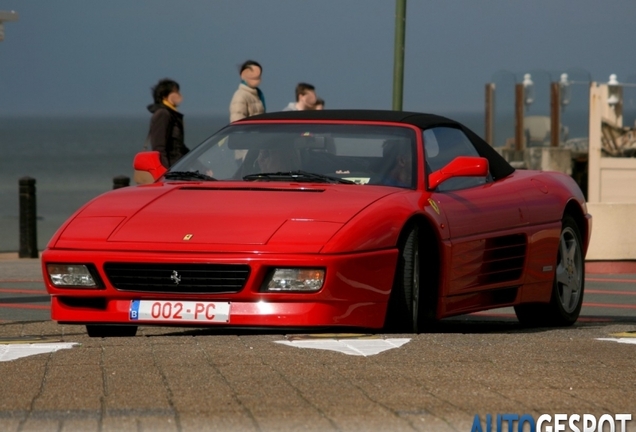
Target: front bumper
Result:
[355, 292]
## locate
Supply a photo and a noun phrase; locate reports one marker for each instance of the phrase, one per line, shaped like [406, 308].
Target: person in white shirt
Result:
[305, 98]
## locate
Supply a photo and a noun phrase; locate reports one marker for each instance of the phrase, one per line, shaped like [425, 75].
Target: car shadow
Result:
[466, 324]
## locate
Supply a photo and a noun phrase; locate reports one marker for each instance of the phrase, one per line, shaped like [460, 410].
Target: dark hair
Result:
[320, 101]
[248, 65]
[163, 88]
[303, 88]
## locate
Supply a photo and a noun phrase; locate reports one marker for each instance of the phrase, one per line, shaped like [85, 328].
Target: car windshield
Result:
[323, 153]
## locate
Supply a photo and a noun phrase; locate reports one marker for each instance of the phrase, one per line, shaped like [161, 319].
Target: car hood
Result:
[188, 217]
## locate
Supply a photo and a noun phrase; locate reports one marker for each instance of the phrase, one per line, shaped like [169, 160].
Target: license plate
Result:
[179, 311]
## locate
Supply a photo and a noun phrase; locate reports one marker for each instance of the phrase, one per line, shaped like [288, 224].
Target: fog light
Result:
[70, 275]
[300, 279]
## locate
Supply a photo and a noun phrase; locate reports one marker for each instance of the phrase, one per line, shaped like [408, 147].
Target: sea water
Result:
[72, 160]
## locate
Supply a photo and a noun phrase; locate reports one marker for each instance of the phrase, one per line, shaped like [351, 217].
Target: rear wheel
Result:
[404, 304]
[111, 331]
[567, 289]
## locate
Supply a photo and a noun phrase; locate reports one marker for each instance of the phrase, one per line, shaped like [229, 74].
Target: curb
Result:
[610, 267]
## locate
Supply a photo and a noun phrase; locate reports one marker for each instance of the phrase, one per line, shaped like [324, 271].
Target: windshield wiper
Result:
[187, 175]
[300, 176]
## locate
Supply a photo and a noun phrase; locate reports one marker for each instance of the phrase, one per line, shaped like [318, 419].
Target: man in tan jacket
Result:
[248, 99]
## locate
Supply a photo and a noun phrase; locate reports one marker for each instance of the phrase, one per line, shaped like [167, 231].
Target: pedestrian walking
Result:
[166, 133]
[248, 99]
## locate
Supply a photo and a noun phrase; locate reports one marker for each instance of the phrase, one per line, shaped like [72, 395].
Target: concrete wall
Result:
[613, 231]
[616, 180]
[539, 158]
[549, 159]
[612, 187]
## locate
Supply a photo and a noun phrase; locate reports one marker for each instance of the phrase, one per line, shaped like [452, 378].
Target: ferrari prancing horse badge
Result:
[434, 205]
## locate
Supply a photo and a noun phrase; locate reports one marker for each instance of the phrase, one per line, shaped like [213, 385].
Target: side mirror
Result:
[148, 167]
[461, 166]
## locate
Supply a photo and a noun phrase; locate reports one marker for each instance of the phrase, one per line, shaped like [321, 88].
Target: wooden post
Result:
[519, 100]
[489, 130]
[398, 54]
[555, 114]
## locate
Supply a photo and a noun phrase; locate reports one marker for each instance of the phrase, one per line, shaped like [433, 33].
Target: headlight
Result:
[295, 279]
[71, 275]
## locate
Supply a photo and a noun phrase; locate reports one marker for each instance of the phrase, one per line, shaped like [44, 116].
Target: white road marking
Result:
[620, 340]
[16, 351]
[357, 347]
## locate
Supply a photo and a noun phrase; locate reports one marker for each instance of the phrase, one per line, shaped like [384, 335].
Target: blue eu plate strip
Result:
[134, 310]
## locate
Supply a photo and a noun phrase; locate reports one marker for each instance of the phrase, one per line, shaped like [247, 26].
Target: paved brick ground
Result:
[191, 380]
[171, 379]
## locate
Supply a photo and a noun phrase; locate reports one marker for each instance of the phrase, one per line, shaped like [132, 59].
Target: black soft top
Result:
[499, 167]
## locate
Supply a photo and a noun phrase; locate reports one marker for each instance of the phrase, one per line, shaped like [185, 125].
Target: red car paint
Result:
[352, 231]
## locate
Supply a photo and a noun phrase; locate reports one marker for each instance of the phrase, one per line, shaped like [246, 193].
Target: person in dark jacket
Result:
[166, 125]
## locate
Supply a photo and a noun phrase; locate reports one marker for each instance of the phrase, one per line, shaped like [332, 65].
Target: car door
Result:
[486, 218]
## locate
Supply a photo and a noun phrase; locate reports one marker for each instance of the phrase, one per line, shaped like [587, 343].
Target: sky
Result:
[100, 58]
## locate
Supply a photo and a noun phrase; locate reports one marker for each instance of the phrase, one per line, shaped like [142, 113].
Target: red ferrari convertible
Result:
[370, 219]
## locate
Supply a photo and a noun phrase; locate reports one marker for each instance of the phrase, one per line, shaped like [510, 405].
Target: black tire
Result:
[404, 303]
[111, 330]
[568, 285]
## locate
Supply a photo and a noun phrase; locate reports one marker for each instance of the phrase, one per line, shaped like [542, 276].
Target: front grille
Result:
[178, 278]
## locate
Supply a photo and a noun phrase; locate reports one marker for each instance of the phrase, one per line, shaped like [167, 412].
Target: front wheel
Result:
[404, 303]
[568, 285]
